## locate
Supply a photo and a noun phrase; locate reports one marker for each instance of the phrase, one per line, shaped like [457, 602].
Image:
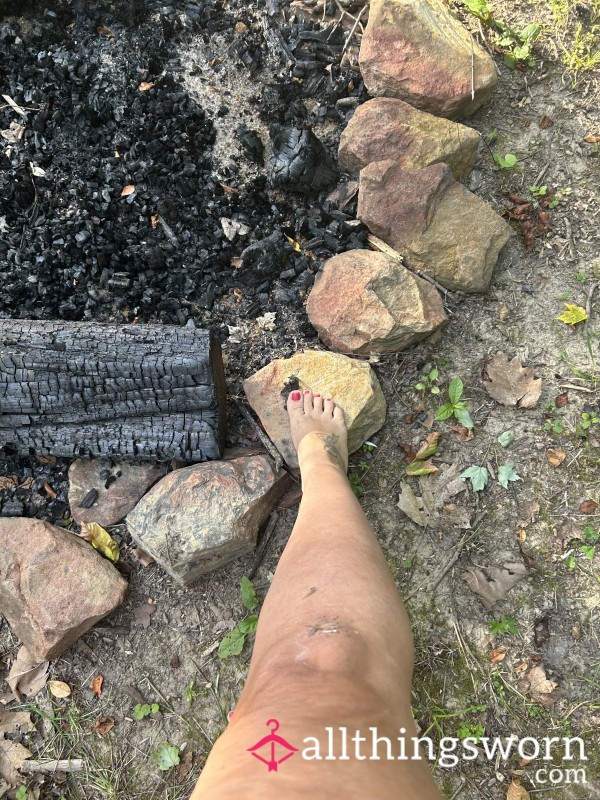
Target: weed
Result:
[585, 550]
[588, 418]
[142, 710]
[470, 730]
[22, 793]
[554, 426]
[233, 643]
[517, 45]
[190, 693]
[428, 383]
[455, 407]
[166, 757]
[505, 162]
[579, 276]
[502, 626]
[538, 191]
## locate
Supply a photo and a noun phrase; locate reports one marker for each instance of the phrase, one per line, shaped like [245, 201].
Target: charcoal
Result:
[263, 260]
[299, 161]
[251, 142]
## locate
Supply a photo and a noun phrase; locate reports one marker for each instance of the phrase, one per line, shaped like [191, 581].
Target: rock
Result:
[365, 302]
[351, 383]
[53, 586]
[439, 226]
[389, 129]
[108, 490]
[417, 51]
[199, 518]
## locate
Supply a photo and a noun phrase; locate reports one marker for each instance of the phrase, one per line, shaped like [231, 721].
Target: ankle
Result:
[319, 450]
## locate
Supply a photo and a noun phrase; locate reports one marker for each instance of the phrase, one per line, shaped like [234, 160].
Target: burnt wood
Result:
[86, 389]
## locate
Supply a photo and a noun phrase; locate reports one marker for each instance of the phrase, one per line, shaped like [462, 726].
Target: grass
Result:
[576, 35]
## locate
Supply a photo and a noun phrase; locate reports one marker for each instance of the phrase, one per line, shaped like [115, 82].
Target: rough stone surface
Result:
[118, 486]
[386, 128]
[352, 384]
[53, 586]
[365, 302]
[417, 51]
[439, 226]
[199, 518]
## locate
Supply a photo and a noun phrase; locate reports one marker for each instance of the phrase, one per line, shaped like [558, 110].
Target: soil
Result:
[191, 53]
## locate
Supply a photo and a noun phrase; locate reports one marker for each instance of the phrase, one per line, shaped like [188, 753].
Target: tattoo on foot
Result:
[329, 443]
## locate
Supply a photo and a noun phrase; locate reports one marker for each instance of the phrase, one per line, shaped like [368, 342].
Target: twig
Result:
[354, 27]
[50, 767]
[540, 177]
[588, 304]
[262, 547]
[268, 444]
[575, 387]
[451, 561]
[472, 69]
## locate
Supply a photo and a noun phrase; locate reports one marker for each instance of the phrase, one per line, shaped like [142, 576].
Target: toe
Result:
[328, 406]
[318, 403]
[295, 401]
[308, 401]
[338, 414]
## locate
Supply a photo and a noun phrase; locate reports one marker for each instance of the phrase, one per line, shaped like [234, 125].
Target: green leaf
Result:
[590, 534]
[421, 468]
[530, 32]
[478, 476]
[232, 644]
[433, 375]
[154, 708]
[506, 473]
[445, 412]
[101, 540]
[166, 757]
[573, 314]
[455, 390]
[521, 52]
[588, 550]
[435, 390]
[21, 793]
[249, 598]
[511, 63]
[463, 416]
[141, 710]
[506, 438]
[249, 624]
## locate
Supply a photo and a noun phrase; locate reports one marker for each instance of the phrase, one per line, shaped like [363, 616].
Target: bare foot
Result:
[318, 428]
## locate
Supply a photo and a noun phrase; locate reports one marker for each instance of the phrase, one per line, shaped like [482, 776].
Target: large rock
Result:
[108, 490]
[389, 129]
[351, 383]
[417, 51]
[53, 586]
[199, 518]
[365, 302]
[431, 219]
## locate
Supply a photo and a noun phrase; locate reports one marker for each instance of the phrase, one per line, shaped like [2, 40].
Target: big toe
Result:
[295, 402]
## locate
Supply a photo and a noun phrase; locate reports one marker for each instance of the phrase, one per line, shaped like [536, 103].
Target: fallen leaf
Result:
[103, 725]
[512, 384]
[100, 540]
[461, 433]
[14, 133]
[50, 491]
[573, 314]
[517, 792]
[540, 688]
[97, 686]
[498, 654]
[522, 667]
[561, 400]
[527, 513]
[546, 122]
[506, 473]
[431, 509]
[145, 86]
[27, 675]
[186, 764]
[429, 447]
[527, 558]
[555, 457]
[175, 662]
[143, 613]
[127, 190]
[492, 583]
[240, 27]
[591, 138]
[8, 482]
[588, 506]
[576, 632]
[59, 689]
[154, 220]
[12, 757]
[506, 438]
[417, 468]
[478, 476]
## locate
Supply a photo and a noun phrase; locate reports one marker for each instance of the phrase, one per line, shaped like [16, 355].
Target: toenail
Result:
[307, 391]
[296, 395]
[317, 395]
[328, 398]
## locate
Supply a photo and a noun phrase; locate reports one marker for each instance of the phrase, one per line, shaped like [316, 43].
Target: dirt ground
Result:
[463, 684]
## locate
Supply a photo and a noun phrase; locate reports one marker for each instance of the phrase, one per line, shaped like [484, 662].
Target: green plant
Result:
[505, 162]
[166, 757]
[517, 45]
[22, 793]
[585, 549]
[588, 418]
[470, 730]
[233, 643]
[428, 383]
[142, 710]
[455, 407]
[538, 191]
[554, 426]
[502, 626]
[190, 693]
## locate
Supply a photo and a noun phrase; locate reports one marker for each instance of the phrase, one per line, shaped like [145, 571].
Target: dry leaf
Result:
[103, 725]
[127, 190]
[588, 506]
[8, 482]
[492, 583]
[540, 688]
[14, 133]
[144, 558]
[100, 540]
[591, 138]
[576, 632]
[50, 491]
[143, 613]
[555, 457]
[59, 688]
[183, 769]
[546, 122]
[497, 654]
[436, 490]
[527, 513]
[145, 86]
[97, 686]
[521, 667]
[27, 675]
[561, 400]
[154, 220]
[517, 792]
[512, 384]
[461, 433]
[429, 447]
[12, 756]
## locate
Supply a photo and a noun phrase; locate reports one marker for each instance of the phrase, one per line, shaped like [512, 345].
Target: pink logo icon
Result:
[275, 749]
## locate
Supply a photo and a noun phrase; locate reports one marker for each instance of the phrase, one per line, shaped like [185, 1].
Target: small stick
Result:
[268, 444]
[262, 547]
[588, 305]
[354, 27]
[50, 767]
[472, 69]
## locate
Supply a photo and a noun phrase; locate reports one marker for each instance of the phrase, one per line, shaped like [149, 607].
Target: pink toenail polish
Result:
[328, 398]
[317, 395]
[307, 391]
[296, 395]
